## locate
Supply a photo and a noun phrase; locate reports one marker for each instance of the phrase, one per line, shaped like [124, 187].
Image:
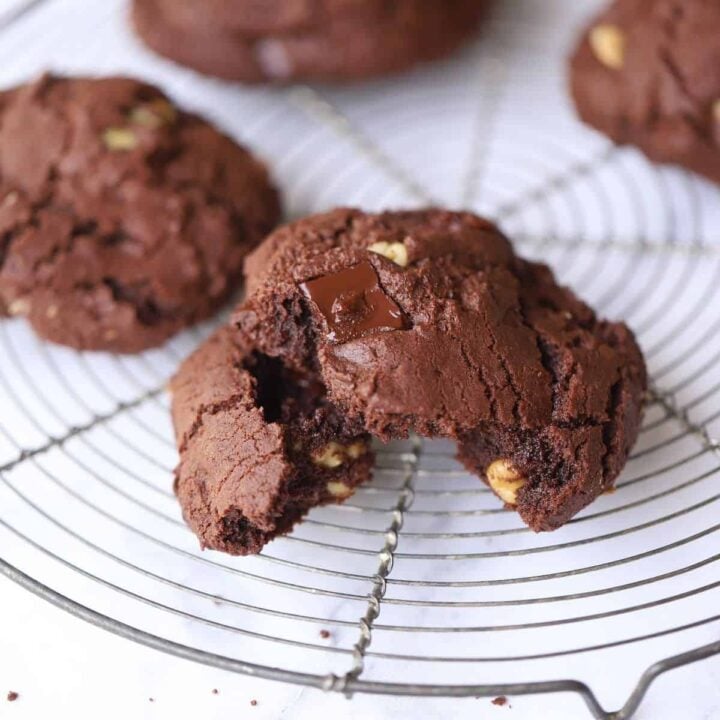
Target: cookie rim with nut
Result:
[608, 44]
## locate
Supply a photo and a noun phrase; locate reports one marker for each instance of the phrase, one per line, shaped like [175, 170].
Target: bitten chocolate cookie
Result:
[426, 321]
[122, 218]
[287, 40]
[259, 443]
[647, 73]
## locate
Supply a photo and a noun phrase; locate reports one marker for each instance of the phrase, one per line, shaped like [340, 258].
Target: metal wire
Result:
[422, 558]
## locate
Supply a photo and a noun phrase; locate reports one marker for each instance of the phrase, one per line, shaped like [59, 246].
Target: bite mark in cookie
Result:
[544, 399]
[259, 446]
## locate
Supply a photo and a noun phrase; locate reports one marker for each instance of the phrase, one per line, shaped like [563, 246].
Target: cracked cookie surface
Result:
[287, 40]
[122, 218]
[647, 73]
[259, 446]
[452, 336]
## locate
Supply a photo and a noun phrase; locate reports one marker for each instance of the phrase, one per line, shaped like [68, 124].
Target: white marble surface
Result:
[65, 668]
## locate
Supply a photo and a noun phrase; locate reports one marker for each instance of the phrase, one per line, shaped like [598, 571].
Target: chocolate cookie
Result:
[259, 443]
[287, 40]
[426, 321]
[647, 73]
[122, 218]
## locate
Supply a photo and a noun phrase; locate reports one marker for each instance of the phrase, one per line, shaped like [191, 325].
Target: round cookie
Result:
[320, 40]
[259, 446]
[122, 218]
[647, 73]
[426, 321]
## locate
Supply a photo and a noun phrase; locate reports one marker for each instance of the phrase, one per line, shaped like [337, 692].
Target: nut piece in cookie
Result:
[395, 251]
[646, 73]
[259, 446]
[123, 219]
[334, 454]
[608, 44]
[505, 480]
[467, 342]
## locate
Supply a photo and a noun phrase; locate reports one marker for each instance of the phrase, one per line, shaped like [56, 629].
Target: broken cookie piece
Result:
[646, 73]
[259, 446]
[544, 399]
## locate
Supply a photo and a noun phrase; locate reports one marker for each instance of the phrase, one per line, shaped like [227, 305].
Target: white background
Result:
[66, 668]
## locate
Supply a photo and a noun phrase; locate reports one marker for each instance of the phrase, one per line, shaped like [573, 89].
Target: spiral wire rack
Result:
[426, 585]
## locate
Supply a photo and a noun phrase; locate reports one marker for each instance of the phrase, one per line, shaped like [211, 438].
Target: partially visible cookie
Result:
[259, 444]
[288, 40]
[123, 219]
[426, 321]
[647, 73]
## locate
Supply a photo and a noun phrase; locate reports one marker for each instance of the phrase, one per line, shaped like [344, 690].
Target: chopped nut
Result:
[334, 454]
[505, 480]
[339, 490]
[52, 312]
[119, 139]
[10, 199]
[21, 306]
[608, 45]
[716, 111]
[330, 456]
[395, 251]
[355, 450]
[109, 335]
[154, 114]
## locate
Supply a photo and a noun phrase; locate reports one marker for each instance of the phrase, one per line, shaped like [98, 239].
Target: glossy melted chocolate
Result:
[353, 303]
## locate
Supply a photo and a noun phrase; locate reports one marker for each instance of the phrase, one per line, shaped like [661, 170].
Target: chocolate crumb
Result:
[325, 634]
[12, 696]
[215, 691]
[253, 703]
[501, 700]
[151, 699]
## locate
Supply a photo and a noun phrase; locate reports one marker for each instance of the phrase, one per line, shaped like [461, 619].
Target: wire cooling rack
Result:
[424, 584]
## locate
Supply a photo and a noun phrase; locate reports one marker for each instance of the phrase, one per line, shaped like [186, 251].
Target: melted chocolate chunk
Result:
[353, 303]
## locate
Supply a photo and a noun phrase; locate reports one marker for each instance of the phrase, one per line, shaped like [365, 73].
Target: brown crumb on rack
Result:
[324, 634]
[12, 696]
[253, 703]
[500, 701]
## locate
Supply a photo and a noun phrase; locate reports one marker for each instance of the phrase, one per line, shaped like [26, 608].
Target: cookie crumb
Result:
[253, 703]
[324, 634]
[12, 696]
[151, 699]
[215, 691]
[500, 701]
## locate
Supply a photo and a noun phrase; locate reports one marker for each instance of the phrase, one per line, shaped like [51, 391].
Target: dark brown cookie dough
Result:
[288, 40]
[259, 446]
[122, 218]
[647, 73]
[426, 321]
